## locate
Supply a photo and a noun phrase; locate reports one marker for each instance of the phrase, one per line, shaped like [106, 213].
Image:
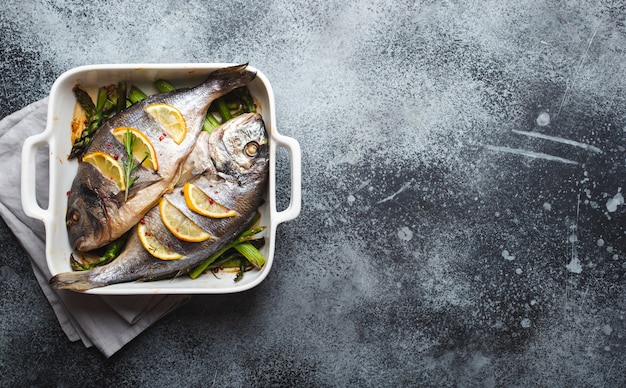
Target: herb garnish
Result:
[128, 163]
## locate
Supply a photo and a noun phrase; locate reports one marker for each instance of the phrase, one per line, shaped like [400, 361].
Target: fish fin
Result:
[145, 179]
[167, 276]
[140, 185]
[232, 77]
[76, 281]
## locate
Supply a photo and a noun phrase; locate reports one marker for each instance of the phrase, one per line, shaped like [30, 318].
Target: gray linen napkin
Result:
[107, 322]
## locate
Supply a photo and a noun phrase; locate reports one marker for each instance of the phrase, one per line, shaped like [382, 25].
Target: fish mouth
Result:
[78, 243]
[85, 243]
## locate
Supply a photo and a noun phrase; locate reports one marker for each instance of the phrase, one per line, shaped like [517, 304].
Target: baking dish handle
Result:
[29, 177]
[293, 210]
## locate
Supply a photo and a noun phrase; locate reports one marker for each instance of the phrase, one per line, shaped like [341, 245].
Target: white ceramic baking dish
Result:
[56, 137]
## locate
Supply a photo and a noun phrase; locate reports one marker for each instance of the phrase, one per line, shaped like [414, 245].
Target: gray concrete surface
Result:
[462, 220]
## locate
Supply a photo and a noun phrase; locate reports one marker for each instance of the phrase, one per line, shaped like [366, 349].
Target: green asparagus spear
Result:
[135, 95]
[223, 109]
[210, 123]
[245, 236]
[242, 269]
[111, 252]
[94, 123]
[85, 101]
[227, 260]
[252, 254]
[233, 104]
[243, 97]
[121, 97]
[163, 86]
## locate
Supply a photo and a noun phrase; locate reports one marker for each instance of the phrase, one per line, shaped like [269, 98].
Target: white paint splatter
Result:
[405, 234]
[543, 119]
[574, 265]
[530, 154]
[507, 255]
[405, 186]
[561, 140]
[613, 203]
[479, 361]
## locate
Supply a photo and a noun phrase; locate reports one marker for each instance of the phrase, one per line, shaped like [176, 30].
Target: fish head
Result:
[240, 146]
[86, 220]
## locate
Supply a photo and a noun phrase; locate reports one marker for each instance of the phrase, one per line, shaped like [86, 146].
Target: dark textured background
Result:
[439, 242]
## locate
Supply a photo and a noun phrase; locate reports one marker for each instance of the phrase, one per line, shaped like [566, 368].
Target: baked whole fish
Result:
[99, 209]
[236, 178]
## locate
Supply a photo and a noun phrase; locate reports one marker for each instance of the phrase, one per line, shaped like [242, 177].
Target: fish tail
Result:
[76, 281]
[229, 78]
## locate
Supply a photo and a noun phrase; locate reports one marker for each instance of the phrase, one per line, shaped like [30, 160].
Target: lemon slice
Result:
[202, 204]
[142, 146]
[154, 246]
[108, 166]
[171, 119]
[179, 224]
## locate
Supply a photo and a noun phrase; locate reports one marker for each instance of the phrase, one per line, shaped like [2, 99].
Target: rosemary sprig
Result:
[128, 164]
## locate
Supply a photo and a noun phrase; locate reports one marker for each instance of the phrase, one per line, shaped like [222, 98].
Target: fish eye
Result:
[251, 149]
[73, 218]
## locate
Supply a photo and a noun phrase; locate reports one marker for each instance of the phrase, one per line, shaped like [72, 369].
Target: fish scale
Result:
[207, 224]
